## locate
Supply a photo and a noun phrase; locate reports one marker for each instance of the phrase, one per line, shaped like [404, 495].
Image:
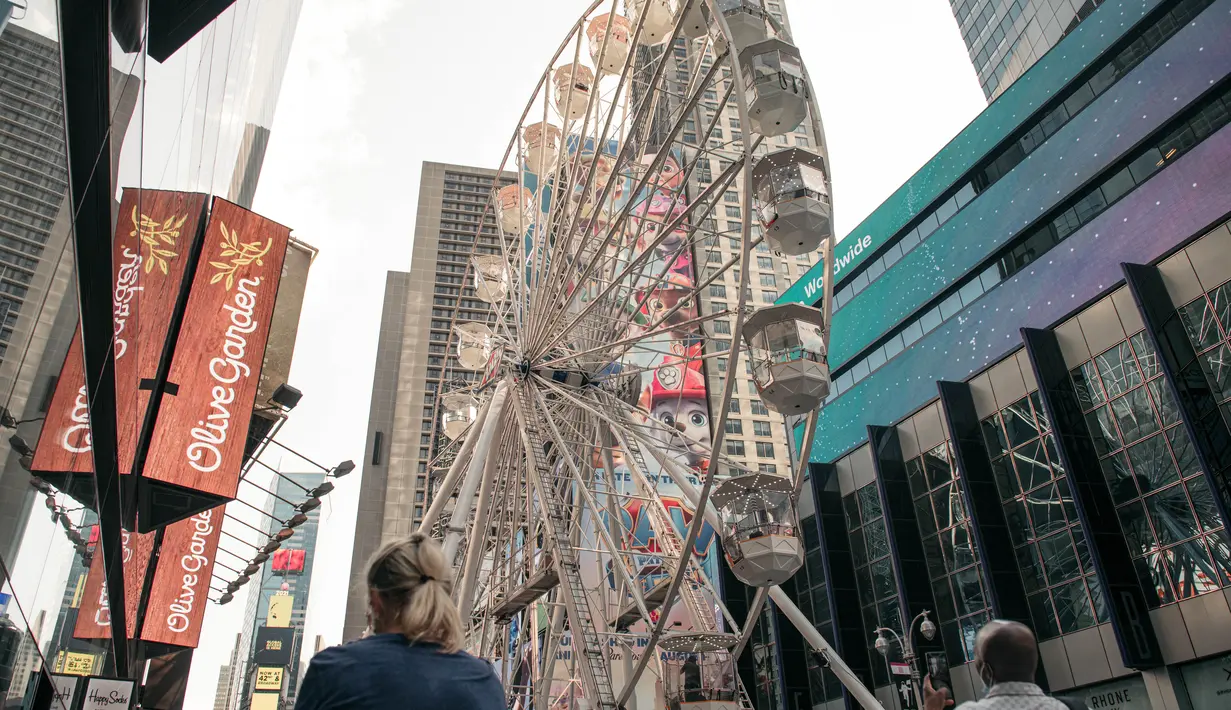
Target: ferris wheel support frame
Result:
[447, 485]
[474, 471]
[478, 533]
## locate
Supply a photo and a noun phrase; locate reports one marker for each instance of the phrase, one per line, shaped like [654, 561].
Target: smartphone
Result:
[938, 670]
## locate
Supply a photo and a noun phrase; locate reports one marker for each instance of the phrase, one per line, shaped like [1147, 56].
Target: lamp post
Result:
[926, 627]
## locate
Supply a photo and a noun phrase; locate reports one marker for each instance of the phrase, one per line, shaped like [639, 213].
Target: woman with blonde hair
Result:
[412, 657]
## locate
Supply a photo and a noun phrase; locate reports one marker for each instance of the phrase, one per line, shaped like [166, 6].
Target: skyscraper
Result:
[280, 576]
[1005, 37]
[419, 310]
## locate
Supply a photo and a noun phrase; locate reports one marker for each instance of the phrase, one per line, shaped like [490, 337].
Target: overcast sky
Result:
[376, 87]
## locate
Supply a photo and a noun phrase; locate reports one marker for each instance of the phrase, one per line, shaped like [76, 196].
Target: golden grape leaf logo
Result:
[241, 253]
[156, 236]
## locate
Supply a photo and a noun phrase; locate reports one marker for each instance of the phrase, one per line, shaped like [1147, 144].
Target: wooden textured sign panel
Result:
[94, 616]
[199, 441]
[181, 580]
[154, 236]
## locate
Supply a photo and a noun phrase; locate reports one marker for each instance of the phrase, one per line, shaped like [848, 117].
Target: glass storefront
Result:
[1208, 683]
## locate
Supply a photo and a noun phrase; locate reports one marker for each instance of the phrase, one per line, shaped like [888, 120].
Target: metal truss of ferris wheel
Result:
[590, 301]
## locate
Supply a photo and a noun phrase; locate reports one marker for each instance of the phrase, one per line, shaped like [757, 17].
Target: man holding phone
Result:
[1006, 657]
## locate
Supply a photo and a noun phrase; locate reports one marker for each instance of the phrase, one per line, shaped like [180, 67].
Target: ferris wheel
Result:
[586, 496]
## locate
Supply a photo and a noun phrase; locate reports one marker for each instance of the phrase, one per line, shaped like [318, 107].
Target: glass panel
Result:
[1059, 558]
[1032, 469]
[1171, 514]
[993, 437]
[936, 466]
[1221, 297]
[859, 550]
[882, 578]
[1134, 415]
[1203, 504]
[1119, 478]
[1192, 573]
[940, 501]
[1103, 431]
[1099, 599]
[1089, 391]
[1152, 464]
[945, 607]
[1073, 607]
[914, 474]
[1185, 454]
[935, 560]
[1044, 616]
[1083, 548]
[1006, 481]
[1137, 532]
[1040, 414]
[1046, 510]
[1220, 550]
[1199, 321]
[869, 502]
[1019, 524]
[970, 628]
[1032, 571]
[876, 539]
[1217, 364]
[968, 591]
[923, 514]
[851, 505]
[1019, 423]
[1147, 357]
[1168, 410]
[1154, 577]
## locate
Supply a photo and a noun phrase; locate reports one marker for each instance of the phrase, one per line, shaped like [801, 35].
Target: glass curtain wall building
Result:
[1030, 414]
[280, 579]
[1005, 37]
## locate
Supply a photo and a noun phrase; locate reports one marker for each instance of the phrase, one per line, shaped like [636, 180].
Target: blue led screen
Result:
[1048, 76]
[1157, 89]
[1176, 203]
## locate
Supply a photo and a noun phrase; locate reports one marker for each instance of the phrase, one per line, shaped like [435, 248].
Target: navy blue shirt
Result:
[384, 671]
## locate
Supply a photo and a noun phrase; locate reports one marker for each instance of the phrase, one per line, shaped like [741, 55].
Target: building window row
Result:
[1065, 107]
[1203, 119]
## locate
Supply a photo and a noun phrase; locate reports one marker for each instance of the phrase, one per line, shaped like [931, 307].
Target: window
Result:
[758, 407]
[801, 141]
[769, 280]
[949, 548]
[874, 574]
[767, 468]
[1164, 503]
[722, 364]
[733, 211]
[765, 449]
[765, 263]
[731, 196]
[722, 327]
[734, 426]
[733, 406]
[735, 447]
[761, 428]
[1051, 547]
[769, 296]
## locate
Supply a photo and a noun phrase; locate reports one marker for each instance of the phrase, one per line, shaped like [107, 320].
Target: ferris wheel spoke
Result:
[654, 166]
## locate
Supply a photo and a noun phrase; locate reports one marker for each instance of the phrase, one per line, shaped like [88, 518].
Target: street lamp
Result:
[926, 627]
